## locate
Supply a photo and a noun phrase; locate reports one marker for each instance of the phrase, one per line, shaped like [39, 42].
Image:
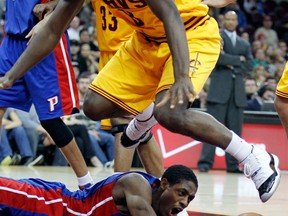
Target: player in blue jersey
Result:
[50, 85]
[129, 193]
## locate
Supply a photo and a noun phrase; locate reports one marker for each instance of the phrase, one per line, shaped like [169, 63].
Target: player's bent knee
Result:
[58, 131]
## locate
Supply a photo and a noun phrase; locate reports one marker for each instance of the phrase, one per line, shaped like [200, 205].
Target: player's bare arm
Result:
[132, 199]
[218, 3]
[44, 42]
[176, 37]
[43, 12]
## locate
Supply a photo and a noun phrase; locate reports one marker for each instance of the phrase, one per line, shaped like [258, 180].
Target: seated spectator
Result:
[250, 88]
[7, 158]
[271, 81]
[74, 29]
[266, 30]
[260, 74]
[282, 45]
[74, 49]
[86, 61]
[34, 131]
[260, 59]
[256, 44]
[83, 141]
[16, 132]
[106, 141]
[266, 94]
[86, 38]
[245, 36]
[76, 70]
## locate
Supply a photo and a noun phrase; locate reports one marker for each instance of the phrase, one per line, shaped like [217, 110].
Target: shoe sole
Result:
[266, 196]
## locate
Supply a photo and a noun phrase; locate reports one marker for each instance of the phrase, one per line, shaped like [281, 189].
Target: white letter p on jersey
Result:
[53, 101]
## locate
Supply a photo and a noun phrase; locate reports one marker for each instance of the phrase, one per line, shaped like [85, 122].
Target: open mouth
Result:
[175, 211]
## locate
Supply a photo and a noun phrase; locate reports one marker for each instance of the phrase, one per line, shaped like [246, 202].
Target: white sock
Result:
[238, 148]
[84, 180]
[141, 123]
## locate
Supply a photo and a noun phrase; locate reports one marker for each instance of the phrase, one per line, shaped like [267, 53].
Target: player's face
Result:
[177, 197]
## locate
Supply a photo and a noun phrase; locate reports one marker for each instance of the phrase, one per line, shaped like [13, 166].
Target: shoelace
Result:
[253, 170]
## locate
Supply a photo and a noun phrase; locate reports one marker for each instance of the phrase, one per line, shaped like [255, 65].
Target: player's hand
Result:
[42, 10]
[181, 88]
[6, 82]
[218, 3]
[37, 28]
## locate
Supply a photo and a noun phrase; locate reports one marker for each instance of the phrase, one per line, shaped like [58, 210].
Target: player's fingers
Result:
[173, 99]
[38, 10]
[194, 95]
[164, 100]
[30, 33]
[180, 96]
[188, 95]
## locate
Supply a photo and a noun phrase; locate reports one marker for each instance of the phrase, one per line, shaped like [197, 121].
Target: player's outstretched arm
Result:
[44, 42]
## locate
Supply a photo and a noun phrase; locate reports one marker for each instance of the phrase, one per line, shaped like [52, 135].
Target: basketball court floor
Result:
[219, 193]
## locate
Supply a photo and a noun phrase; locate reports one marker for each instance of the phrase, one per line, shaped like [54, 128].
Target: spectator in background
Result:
[282, 45]
[220, 20]
[86, 38]
[76, 70]
[260, 59]
[16, 132]
[256, 44]
[86, 60]
[245, 36]
[74, 49]
[81, 134]
[250, 87]
[74, 29]
[271, 81]
[226, 98]
[34, 131]
[267, 31]
[7, 157]
[260, 74]
[266, 94]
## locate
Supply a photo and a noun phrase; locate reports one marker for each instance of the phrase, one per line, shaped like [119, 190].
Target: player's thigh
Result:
[125, 82]
[204, 50]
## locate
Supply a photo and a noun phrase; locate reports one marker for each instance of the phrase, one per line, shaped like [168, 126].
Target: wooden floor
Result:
[219, 193]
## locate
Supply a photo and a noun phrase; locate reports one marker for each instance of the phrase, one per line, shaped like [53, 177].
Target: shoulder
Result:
[136, 179]
[132, 177]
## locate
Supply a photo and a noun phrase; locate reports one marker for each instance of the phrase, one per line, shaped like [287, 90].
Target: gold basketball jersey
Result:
[138, 15]
[111, 30]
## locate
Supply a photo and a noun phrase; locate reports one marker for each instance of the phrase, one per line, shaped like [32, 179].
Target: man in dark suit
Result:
[226, 96]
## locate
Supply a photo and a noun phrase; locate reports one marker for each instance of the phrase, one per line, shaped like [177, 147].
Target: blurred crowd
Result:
[263, 23]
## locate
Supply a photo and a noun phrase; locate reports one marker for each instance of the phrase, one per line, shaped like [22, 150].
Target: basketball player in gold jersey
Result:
[112, 32]
[173, 49]
[281, 100]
